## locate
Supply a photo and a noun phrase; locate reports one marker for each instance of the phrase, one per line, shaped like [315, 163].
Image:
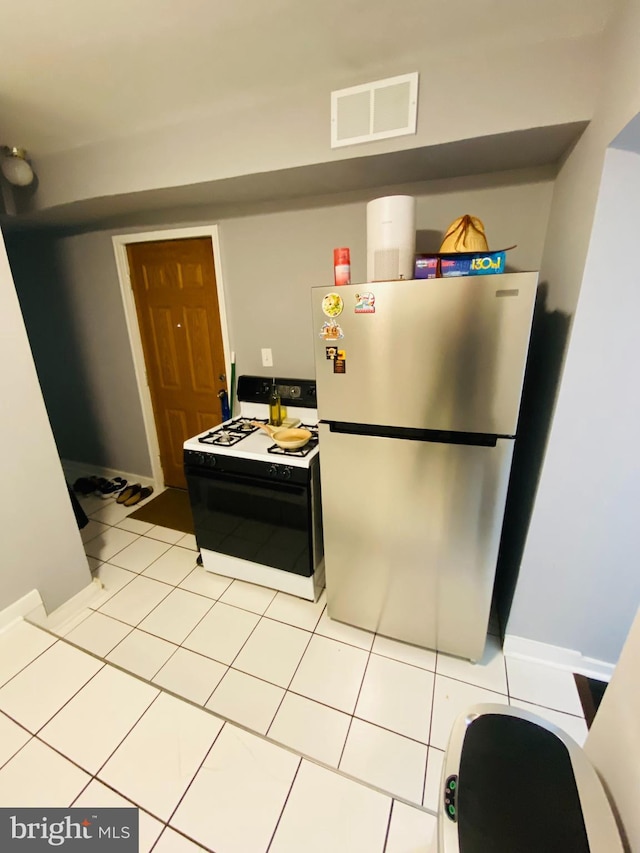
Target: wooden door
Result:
[174, 286]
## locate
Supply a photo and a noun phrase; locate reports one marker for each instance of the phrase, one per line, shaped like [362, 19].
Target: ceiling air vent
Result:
[376, 110]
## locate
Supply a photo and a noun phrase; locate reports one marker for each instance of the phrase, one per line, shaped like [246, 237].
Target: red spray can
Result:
[342, 266]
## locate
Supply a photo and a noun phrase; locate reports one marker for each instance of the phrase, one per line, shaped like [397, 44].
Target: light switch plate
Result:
[267, 358]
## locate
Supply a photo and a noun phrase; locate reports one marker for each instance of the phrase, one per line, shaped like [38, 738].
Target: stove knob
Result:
[195, 458]
[211, 460]
[286, 474]
[272, 471]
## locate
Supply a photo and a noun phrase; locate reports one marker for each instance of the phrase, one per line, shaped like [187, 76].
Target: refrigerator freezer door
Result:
[439, 354]
[411, 531]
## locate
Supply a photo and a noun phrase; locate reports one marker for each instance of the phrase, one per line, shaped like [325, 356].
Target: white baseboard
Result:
[65, 616]
[568, 659]
[19, 609]
[73, 470]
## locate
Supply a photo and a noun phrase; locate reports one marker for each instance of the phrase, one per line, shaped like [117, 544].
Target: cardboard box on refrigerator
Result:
[462, 263]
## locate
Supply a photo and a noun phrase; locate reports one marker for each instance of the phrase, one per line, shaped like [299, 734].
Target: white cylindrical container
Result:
[391, 238]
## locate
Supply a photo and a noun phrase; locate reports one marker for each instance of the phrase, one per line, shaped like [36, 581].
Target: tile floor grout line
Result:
[167, 583]
[127, 797]
[170, 658]
[120, 742]
[288, 687]
[106, 656]
[134, 576]
[131, 671]
[20, 748]
[210, 696]
[352, 715]
[547, 708]
[176, 589]
[248, 638]
[391, 731]
[433, 704]
[284, 806]
[174, 586]
[162, 665]
[229, 665]
[470, 683]
[51, 634]
[389, 819]
[362, 680]
[404, 662]
[141, 575]
[184, 793]
[142, 571]
[424, 778]
[94, 778]
[320, 702]
[81, 792]
[115, 553]
[37, 731]
[71, 698]
[179, 832]
[66, 758]
[152, 609]
[344, 642]
[70, 619]
[20, 725]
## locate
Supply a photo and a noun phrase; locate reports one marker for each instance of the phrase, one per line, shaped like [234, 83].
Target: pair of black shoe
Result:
[99, 486]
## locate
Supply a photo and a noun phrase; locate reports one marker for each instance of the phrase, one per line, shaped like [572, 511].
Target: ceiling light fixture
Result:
[15, 166]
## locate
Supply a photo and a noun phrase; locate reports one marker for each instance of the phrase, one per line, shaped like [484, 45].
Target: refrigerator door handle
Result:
[474, 439]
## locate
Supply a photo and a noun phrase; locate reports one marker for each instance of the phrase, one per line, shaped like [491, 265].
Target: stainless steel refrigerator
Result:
[419, 386]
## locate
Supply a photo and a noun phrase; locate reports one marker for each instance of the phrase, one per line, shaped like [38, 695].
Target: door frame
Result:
[120, 242]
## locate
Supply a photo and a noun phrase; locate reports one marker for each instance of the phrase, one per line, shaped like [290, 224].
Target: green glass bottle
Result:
[275, 408]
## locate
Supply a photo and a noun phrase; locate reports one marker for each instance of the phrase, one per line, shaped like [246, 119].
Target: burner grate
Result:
[301, 451]
[231, 433]
[245, 425]
[222, 438]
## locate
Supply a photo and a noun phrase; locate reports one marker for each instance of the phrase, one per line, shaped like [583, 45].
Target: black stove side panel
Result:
[293, 392]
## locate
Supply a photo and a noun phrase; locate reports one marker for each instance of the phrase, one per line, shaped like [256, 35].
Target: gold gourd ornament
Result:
[465, 234]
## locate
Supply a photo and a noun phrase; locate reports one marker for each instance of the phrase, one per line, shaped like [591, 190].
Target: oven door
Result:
[264, 521]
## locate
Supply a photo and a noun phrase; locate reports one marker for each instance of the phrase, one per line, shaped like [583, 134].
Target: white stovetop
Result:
[255, 445]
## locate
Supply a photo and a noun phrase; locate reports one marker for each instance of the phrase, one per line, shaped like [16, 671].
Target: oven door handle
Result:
[242, 479]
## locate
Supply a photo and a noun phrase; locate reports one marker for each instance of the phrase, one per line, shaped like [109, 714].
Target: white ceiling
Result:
[75, 72]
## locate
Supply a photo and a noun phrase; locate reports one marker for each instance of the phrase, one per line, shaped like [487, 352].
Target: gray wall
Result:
[69, 291]
[41, 545]
[270, 262]
[72, 306]
[578, 584]
[491, 87]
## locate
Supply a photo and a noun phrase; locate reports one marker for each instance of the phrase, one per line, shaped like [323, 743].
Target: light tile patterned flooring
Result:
[371, 708]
